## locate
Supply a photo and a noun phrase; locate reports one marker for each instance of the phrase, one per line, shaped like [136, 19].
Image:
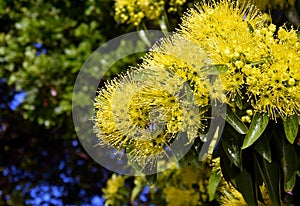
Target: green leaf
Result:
[270, 175]
[290, 184]
[239, 101]
[231, 144]
[229, 171]
[214, 69]
[235, 121]
[291, 128]
[213, 183]
[287, 158]
[251, 30]
[246, 187]
[257, 127]
[263, 148]
[135, 192]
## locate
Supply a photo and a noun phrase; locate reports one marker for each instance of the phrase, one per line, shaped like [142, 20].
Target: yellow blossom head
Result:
[262, 69]
[142, 113]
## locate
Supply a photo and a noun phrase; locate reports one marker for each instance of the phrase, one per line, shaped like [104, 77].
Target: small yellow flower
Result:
[134, 11]
[115, 192]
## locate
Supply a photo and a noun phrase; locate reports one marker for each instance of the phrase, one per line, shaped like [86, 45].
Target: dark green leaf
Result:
[263, 148]
[235, 121]
[229, 171]
[270, 175]
[257, 127]
[287, 157]
[291, 128]
[214, 69]
[246, 187]
[231, 144]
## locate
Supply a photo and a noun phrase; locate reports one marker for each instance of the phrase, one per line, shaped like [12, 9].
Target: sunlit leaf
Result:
[235, 121]
[213, 183]
[291, 128]
[257, 127]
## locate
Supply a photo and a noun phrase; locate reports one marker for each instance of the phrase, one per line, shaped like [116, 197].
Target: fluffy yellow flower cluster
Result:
[144, 110]
[133, 11]
[262, 69]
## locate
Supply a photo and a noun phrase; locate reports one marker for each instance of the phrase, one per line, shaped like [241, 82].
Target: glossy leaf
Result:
[270, 175]
[229, 170]
[287, 157]
[263, 148]
[214, 69]
[246, 187]
[291, 128]
[235, 121]
[257, 127]
[290, 184]
[231, 144]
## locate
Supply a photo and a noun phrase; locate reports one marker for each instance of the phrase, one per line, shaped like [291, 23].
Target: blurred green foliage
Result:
[43, 45]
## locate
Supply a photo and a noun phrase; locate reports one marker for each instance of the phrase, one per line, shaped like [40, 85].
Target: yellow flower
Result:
[115, 192]
[185, 59]
[273, 85]
[143, 112]
[223, 31]
[181, 197]
[175, 5]
[262, 69]
[232, 197]
[133, 11]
